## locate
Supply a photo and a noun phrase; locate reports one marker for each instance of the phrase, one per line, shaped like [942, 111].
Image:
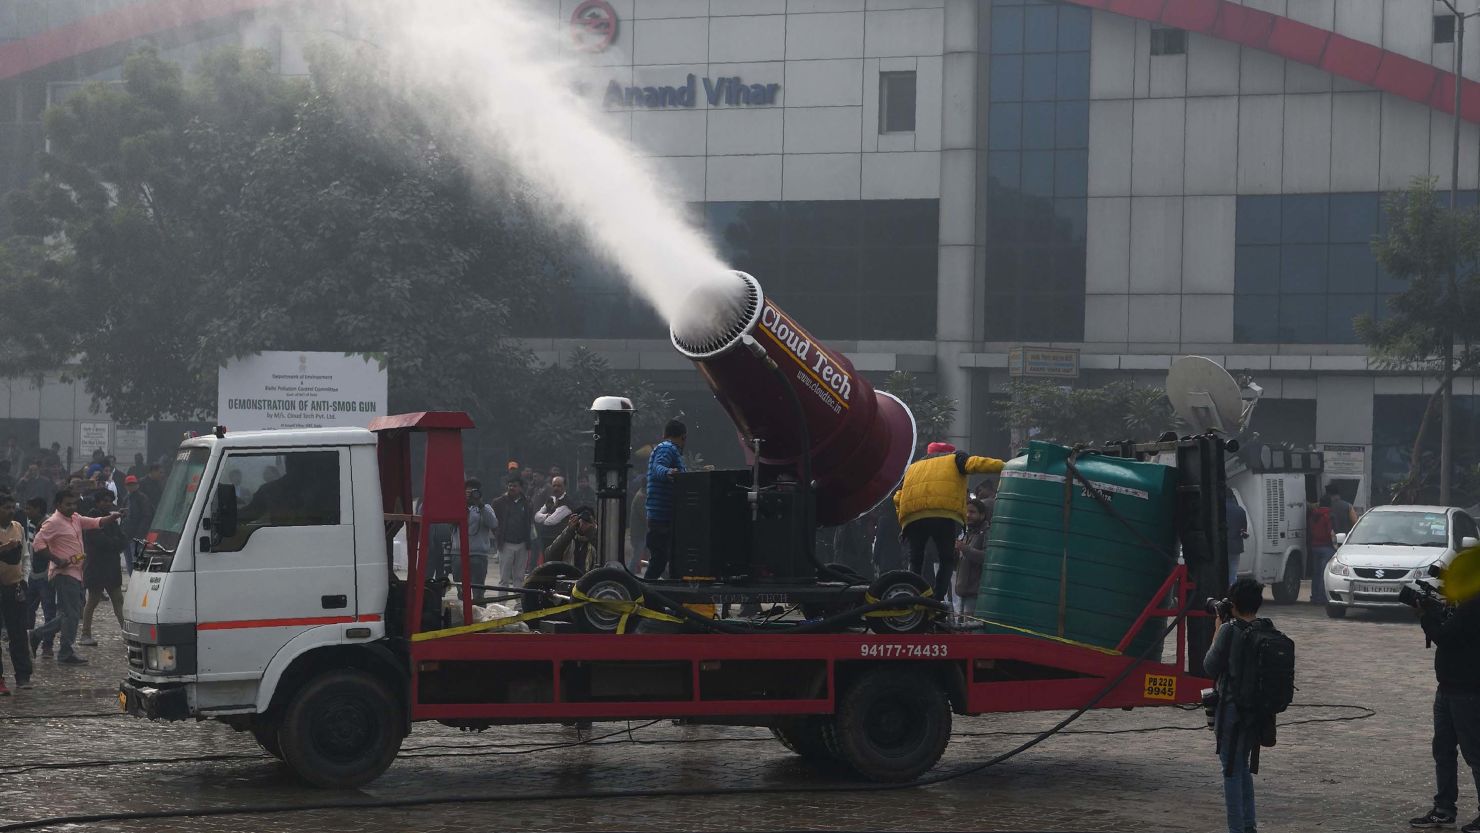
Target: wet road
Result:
[1105, 773]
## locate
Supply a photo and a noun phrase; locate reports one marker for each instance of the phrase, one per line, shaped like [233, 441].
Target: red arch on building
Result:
[1303, 43]
[114, 27]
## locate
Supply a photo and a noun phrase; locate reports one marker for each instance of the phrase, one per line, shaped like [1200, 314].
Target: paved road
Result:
[1365, 775]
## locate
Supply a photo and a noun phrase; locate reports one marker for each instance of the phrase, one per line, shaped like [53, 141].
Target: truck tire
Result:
[893, 584]
[543, 578]
[804, 737]
[608, 583]
[892, 724]
[342, 729]
[1287, 589]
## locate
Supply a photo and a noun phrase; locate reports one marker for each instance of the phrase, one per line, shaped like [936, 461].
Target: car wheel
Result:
[1336, 611]
[1288, 588]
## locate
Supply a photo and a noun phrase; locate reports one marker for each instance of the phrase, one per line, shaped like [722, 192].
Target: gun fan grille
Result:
[717, 315]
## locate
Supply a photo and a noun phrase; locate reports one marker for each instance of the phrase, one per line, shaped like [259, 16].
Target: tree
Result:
[564, 392]
[934, 412]
[1434, 250]
[182, 222]
[1117, 411]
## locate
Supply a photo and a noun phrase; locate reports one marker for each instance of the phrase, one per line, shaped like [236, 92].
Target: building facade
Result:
[928, 184]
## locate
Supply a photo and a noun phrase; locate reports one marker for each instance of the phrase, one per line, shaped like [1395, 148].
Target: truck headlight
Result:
[159, 657]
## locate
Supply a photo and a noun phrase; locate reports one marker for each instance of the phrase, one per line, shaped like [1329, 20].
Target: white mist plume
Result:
[508, 68]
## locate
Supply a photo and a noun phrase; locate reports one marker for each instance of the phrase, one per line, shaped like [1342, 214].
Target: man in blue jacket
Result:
[665, 462]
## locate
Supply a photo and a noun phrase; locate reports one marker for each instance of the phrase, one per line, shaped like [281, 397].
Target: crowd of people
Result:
[67, 541]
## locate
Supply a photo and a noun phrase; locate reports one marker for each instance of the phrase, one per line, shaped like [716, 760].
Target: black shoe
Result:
[76, 660]
[1472, 827]
[1435, 818]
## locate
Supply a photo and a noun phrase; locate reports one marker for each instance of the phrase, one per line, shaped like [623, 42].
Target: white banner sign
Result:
[92, 436]
[287, 389]
[127, 442]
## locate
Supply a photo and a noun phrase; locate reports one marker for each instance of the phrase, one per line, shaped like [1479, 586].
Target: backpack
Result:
[1263, 680]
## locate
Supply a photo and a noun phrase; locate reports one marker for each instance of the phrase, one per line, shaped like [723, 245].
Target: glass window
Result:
[1073, 79]
[1401, 528]
[1304, 218]
[897, 223]
[1007, 30]
[821, 269]
[1384, 307]
[897, 269]
[1256, 318]
[898, 316]
[1168, 41]
[1353, 268]
[1070, 220]
[1353, 217]
[1074, 23]
[1039, 74]
[1302, 269]
[176, 496]
[1041, 29]
[1258, 220]
[1072, 124]
[820, 223]
[1038, 173]
[897, 102]
[1005, 167]
[1301, 319]
[1005, 126]
[290, 488]
[1443, 28]
[1256, 270]
[1006, 81]
[1038, 129]
[1071, 173]
[1341, 313]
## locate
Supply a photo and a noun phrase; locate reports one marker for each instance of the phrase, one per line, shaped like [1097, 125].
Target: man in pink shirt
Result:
[60, 541]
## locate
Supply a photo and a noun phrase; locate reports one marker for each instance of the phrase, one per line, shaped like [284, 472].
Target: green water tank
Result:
[1110, 574]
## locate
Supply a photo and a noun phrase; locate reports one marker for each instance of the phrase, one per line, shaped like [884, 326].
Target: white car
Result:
[1390, 546]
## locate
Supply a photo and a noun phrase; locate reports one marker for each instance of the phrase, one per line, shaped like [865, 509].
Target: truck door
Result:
[288, 568]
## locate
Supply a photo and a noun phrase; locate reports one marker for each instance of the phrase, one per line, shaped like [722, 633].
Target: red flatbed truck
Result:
[332, 665]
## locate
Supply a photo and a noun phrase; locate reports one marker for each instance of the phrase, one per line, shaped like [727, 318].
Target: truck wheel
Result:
[893, 725]
[341, 730]
[266, 734]
[804, 737]
[1288, 588]
[608, 584]
[543, 578]
[896, 584]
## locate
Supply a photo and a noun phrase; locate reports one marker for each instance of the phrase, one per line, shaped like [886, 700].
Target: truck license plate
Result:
[1374, 587]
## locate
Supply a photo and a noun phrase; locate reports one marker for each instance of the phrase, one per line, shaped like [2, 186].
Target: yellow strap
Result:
[494, 624]
[869, 598]
[1109, 651]
[632, 608]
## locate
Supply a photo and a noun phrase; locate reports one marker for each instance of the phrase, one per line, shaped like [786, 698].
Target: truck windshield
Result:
[1407, 529]
[177, 495]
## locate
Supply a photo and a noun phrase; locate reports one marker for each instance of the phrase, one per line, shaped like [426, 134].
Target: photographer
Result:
[1238, 734]
[481, 524]
[1455, 633]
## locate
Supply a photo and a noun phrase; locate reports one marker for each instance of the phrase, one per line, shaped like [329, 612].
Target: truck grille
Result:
[135, 655]
[1389, 573]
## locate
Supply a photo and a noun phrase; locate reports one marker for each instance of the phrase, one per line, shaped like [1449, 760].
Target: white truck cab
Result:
[255, 564]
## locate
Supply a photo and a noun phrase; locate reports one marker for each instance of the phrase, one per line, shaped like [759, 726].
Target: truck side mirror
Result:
[223, 517]
[1340, 538]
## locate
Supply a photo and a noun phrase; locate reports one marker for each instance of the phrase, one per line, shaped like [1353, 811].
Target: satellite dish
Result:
[1204, 395]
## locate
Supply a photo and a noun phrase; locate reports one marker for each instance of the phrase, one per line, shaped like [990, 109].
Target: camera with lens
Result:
[1221, 608]
[1210, 704]
[1424, 591]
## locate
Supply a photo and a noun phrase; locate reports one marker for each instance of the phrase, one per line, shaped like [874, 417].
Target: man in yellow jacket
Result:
[931, 505]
